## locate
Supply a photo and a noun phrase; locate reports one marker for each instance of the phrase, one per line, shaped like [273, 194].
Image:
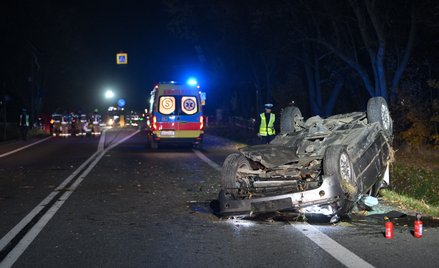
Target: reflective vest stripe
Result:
[56, 118]
[83, 118]
[27, 119]
[265, 129]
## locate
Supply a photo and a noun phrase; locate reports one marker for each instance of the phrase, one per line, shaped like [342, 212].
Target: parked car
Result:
[321, 165]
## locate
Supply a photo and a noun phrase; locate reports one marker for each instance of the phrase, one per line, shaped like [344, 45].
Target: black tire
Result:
[154, 145]
[378, 111]
[230, 176]
[337, 162]
[199, 145]
[289, 119]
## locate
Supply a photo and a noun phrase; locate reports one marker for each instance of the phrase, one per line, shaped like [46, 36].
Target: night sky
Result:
[312, 53]
[93, 33]
[137, 28]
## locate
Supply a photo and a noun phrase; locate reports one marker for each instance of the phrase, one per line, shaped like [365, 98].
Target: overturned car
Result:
[315, 166]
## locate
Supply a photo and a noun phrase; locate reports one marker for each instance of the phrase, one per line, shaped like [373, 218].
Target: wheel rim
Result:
[345, 167]
[385, 116]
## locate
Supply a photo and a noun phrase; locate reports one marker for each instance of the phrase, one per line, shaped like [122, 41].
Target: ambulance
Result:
[176, 114]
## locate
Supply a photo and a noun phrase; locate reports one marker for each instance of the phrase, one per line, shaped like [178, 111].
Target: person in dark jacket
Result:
[24, 124]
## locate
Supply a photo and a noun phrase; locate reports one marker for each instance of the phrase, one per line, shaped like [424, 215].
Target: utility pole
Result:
[5, 100]
[32, 94]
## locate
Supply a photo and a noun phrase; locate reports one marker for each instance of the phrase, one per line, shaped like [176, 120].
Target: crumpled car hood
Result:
[270, 155]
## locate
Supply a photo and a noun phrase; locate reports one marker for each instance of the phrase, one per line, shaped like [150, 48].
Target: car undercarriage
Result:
[329, 163]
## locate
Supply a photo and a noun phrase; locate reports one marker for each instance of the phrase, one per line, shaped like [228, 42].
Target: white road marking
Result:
[207, 160]
[101, 144]
[16, 252]
[24, 147]
[339, 252]
[14, 231]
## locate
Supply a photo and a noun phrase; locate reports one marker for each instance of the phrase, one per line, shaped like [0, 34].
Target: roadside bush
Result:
[14, 133]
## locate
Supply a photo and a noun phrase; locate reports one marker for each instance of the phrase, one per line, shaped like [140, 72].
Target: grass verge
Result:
[409, 202]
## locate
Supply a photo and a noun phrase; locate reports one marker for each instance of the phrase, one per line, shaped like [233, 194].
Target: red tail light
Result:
[154, 122]
[201, 123]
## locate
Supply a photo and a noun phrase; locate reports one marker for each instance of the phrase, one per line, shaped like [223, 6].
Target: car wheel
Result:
[289, 119]
[378, 111]
[199, 145]
[154, 145]
[231, 177]
[337, 162]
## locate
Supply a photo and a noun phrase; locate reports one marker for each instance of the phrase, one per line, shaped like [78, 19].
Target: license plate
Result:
[167, 133]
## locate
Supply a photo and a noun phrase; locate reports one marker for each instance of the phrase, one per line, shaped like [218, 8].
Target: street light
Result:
[109, 94]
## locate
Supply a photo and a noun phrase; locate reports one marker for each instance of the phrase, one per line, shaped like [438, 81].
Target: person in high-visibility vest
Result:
[24, 124]
[96, 120]
[266, 128]
[81, 123]
[56, 122]
[65, 125]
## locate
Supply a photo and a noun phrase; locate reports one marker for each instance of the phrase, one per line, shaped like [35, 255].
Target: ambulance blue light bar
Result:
[192, 82]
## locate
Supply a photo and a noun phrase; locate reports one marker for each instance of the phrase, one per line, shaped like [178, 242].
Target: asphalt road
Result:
[111, 202]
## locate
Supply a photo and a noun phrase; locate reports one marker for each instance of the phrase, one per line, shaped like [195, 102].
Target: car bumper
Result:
[329, 192]
[180, 139]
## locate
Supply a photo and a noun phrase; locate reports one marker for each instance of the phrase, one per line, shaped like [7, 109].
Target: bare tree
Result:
[359, 35]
